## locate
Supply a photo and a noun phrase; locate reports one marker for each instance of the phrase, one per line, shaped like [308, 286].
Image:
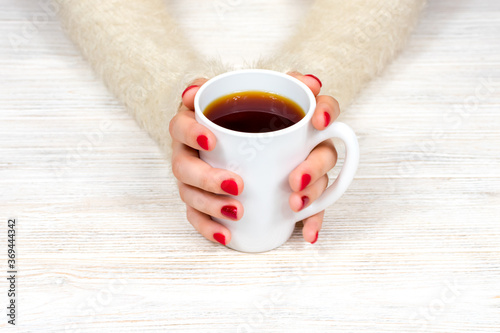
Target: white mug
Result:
[265, 160]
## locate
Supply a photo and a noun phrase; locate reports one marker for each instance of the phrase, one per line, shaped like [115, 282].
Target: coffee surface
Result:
[254, 112]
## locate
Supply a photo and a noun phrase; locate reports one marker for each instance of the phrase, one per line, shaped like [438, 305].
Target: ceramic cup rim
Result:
[305, 120]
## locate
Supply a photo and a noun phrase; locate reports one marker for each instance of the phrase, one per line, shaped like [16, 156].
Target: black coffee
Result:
[254, 112]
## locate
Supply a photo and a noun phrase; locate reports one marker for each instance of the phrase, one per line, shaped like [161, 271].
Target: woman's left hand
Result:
[309, 180]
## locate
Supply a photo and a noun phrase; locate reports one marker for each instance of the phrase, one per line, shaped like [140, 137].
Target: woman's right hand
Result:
[200, 184]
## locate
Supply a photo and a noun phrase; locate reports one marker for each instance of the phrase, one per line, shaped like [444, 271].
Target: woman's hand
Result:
[199, 184]
[309, 180]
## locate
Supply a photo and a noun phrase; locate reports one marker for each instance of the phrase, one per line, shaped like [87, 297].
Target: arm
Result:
[144, 60]
[134, 46]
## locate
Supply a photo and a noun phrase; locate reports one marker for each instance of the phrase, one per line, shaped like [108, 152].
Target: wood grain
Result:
[104, 246]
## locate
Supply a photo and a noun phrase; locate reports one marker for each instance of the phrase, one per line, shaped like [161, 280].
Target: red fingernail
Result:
[314, 77]
[186, 90]
[230, 211]
[306, 179]
[230, 186]
[305, 201]
[315, 239]
[327, 118]
[220, 238]
[202, 141]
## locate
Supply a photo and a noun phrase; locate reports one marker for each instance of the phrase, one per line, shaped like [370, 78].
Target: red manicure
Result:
[220, 238]
[202, 141]
[230, 211]
[327, 118]
[230, 186]
[186, 90]
[305, 201]
[306, 179]
[315, 239]
[314, 77]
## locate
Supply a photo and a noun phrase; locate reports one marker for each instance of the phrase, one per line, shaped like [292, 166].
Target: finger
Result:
[309, 80]
[318, 163]
[189, 93]
[302, 199]
[188, 168]
[211, 204]
[208, 228]
[184, 128]
[312, 226]
[327, 110]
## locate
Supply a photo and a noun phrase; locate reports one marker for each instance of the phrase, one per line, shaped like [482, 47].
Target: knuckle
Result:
[333, 101]
[190, 214]
[325, 182]
[335, 153]
[206, 181]
[336, 106]
[182, 192]
[200, 203]
[199, 81]
[171, 125]
[294, 73]
[176, 167]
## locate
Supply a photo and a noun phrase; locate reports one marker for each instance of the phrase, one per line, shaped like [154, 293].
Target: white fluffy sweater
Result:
[136, 48]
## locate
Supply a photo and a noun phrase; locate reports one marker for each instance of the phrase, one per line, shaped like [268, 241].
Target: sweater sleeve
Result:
[346, 43]
[136, 48]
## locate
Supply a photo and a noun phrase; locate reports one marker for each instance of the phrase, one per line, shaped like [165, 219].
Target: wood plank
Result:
[413, 246]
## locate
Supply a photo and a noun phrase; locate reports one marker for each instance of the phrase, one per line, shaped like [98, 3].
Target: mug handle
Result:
[340, 185]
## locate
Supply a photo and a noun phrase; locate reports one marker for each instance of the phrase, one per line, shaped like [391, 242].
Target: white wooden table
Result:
[103, 243]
